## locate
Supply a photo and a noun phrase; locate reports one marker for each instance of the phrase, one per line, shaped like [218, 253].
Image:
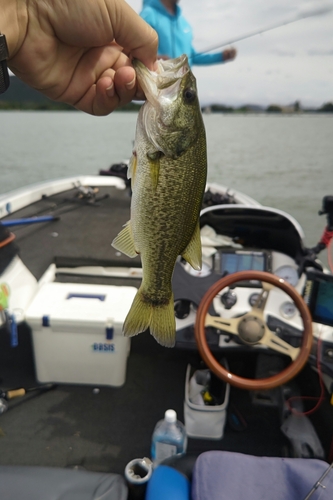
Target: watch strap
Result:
[4, 76]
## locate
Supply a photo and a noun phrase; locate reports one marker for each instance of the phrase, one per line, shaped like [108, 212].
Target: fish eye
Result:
[189, 95]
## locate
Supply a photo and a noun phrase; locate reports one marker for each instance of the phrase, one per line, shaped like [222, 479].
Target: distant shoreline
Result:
[133, 107]
[51, 106]
[21, 97]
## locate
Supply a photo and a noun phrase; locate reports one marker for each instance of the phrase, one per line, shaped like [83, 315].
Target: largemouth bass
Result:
[168, 175]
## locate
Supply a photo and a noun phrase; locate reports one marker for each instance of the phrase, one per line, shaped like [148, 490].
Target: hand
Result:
[229, 54]
[78, 51]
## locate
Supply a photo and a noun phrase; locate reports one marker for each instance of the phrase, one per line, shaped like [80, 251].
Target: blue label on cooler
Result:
[103, 347]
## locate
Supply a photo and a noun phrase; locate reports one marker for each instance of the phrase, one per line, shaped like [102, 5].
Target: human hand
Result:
[78, 51]
[229, 54]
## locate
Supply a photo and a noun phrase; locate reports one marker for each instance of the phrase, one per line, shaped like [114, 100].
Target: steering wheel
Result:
[252, 329]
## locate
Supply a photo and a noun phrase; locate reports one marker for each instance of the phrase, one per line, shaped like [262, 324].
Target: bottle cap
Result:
[170, 416]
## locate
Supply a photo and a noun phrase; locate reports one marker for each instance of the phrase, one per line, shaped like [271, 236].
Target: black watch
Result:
[4, 76]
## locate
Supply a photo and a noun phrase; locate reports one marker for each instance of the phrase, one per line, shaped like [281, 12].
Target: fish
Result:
[168, 171]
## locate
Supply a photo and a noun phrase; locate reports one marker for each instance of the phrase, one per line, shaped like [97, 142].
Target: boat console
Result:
[242, 238]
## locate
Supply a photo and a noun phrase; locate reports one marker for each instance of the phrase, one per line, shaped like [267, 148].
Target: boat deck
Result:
[103, 429]
[96, 220]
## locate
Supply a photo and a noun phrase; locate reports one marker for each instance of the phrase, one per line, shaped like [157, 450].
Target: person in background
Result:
[76, 51]
[175, 33]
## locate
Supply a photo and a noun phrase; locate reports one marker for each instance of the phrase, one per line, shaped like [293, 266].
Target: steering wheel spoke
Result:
[259, 306]
[277, 344]
[228, 325]
[252, 330]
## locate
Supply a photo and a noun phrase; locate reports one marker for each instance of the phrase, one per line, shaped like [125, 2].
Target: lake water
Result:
[282, 161]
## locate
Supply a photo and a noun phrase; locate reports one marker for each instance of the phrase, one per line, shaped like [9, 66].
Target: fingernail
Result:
[131, 84]
[110, 90]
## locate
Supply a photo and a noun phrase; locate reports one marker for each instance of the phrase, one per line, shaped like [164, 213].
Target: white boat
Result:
[76, 394]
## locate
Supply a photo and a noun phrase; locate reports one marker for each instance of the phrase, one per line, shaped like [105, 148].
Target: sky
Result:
[291, 63]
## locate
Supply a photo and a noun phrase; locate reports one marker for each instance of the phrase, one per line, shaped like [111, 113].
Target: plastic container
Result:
[169, 438]
[137, 474]
[77, 333]
[206, 422]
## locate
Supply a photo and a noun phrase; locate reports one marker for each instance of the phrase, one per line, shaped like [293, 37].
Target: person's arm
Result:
[77, 51]
[215, 58]
[205, 59]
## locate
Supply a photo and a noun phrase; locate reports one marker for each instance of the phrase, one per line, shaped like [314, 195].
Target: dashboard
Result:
[281, 314]
[230, 260]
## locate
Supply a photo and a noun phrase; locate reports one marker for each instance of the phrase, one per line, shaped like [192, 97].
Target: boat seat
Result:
[48, 483]
[223, 475]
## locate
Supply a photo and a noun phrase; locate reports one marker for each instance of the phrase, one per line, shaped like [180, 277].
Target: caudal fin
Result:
[159, 319]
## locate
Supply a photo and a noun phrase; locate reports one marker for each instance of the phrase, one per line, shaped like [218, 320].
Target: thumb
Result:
[137, 38]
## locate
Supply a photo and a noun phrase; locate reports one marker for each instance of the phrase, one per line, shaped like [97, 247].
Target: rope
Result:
[319, 399]
[330, 254]
[8, 240]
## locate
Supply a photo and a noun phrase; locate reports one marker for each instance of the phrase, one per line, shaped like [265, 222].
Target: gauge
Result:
[182, 308]
[288, 273]
[288, 310]
[204, 271]
[253, 299]
[229, 299]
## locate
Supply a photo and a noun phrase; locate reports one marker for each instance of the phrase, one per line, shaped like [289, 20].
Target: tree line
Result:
[214, 108]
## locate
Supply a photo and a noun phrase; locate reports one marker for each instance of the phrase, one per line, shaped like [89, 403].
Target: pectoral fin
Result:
[124, 242]
[154, 163]
[192, 253]
[132, 167]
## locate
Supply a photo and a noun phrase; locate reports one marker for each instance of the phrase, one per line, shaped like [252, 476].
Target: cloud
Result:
[283, 51]
[320, 52]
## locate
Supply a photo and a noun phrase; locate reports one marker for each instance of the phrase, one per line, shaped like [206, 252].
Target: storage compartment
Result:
[204, 421]
[77, 333]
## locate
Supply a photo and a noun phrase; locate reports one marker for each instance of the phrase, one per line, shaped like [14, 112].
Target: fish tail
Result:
[159, 319]
[139, 316]
[163, 324]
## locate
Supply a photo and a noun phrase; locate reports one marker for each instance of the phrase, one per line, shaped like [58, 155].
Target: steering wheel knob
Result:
[251, 329]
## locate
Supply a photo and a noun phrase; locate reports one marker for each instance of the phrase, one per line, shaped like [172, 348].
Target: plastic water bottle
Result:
[169, 438]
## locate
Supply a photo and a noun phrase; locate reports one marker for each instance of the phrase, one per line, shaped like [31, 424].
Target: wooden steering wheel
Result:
[252, 329]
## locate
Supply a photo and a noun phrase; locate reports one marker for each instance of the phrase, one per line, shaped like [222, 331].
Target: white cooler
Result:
[77, 333]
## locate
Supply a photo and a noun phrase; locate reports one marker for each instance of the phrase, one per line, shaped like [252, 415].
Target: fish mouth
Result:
[164, 81]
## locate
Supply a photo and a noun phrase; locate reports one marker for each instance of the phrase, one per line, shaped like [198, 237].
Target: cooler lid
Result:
[77, 303]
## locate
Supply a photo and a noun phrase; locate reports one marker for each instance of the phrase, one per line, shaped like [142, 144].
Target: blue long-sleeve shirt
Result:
[175, 34]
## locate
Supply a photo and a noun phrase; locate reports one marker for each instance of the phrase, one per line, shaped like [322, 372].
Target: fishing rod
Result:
[319, 484]
[324, 9]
